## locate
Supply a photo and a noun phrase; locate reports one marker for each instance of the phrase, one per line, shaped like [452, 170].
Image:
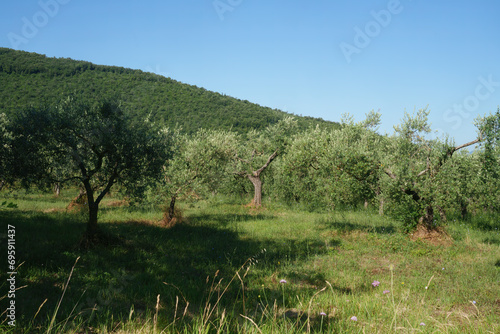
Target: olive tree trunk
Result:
[254, 177]
[257, 185]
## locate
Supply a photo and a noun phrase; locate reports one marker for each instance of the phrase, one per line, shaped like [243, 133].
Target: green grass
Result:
[220, 271]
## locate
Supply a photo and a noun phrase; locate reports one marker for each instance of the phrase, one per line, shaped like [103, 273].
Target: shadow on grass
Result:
[225, 220]
[179, 264]
[346, 227]
[483, 222]
[492, 241]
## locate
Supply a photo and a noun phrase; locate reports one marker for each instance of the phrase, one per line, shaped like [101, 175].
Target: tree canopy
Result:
[95, 145]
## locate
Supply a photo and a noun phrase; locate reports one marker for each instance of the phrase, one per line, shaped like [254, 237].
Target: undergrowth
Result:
[228, 268]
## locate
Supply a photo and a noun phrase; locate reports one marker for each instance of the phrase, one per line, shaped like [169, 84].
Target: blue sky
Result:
[317, 58]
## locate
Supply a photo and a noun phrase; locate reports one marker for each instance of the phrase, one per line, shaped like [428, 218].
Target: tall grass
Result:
[232, 269]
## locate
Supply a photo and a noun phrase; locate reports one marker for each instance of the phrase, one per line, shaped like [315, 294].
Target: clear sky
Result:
[318, 58]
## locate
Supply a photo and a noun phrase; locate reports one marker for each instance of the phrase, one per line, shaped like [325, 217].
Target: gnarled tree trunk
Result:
[427, 219]
[92, 228]
[254, 177]
[169, 215]
[257, 184]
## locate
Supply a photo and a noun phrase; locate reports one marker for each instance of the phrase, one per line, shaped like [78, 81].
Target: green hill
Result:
[34, 79]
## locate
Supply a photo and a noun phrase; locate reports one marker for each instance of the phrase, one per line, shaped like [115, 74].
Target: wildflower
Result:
[403, 283]
[323, 314]
[354, 318]
[422, 324]
[283, 281]
[474, 302]
[385, 292]
[376, 283]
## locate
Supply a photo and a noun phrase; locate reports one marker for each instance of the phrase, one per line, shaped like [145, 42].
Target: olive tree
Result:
[200, 163]
[300, 177]
[338, 167]
[355, 152]
[489, 156]
[462, 188]
[94, 144]
[414, 169]
[259, 149]
[6, 157]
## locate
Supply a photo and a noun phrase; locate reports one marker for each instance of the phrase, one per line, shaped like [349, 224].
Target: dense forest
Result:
[30, 79]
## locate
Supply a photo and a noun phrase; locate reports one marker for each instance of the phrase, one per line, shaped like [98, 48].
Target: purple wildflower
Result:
[283, 281]
[376, 283]
[422, 324]
[354, 318]
[385, 292]
[323, 314]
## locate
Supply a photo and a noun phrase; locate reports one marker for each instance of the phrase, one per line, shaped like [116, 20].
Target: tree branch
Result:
[449, 154]
[269, 160]
[466, 144]
[422, 172]
[390, 174]
[242, 160]
[242, 174]
[99, 164]
[111, 181]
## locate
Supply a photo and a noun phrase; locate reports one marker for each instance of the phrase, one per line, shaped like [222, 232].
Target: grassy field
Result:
[228, 268]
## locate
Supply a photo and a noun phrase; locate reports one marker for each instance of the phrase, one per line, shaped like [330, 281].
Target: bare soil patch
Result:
[436, 237]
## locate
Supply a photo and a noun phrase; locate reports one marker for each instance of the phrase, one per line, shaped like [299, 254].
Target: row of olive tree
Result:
[98, 145]
[414, 178]
[412, 175]
[212, 161]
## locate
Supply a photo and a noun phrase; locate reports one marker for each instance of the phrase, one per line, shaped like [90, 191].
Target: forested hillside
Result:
[34, 79]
